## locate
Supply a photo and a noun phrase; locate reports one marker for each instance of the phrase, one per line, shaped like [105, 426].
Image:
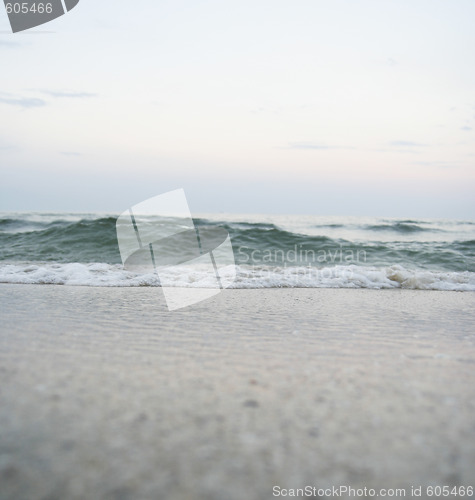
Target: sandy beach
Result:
[104, 394]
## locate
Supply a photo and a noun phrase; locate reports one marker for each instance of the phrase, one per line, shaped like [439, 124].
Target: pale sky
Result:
[305, 106]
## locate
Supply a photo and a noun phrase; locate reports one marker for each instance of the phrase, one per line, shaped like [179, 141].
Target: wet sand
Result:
[104, 394]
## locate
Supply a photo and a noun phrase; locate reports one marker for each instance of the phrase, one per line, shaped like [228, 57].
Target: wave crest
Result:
[103, 275]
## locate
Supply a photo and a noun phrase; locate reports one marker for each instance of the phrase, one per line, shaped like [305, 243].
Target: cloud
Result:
[407, 144]
[313, 145]
[440, 164]
[6, 145]
[60, 94]
[70, 153]
[262, 109]
[35, 102]
[307, 145]
[22, 102]
[6, 44]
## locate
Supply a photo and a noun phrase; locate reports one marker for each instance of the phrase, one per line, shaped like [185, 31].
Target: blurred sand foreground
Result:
[104, 394]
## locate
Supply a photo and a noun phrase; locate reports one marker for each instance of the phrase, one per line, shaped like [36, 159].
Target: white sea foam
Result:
[100, 274]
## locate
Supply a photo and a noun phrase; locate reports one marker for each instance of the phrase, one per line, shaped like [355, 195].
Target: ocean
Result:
[270, 251]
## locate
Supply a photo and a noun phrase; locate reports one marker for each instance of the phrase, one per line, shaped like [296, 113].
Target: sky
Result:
[306, 107]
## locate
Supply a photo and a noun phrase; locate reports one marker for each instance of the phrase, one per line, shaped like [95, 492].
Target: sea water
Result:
[270, 251]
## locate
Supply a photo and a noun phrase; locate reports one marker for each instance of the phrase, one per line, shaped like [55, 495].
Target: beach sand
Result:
[104, 394]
